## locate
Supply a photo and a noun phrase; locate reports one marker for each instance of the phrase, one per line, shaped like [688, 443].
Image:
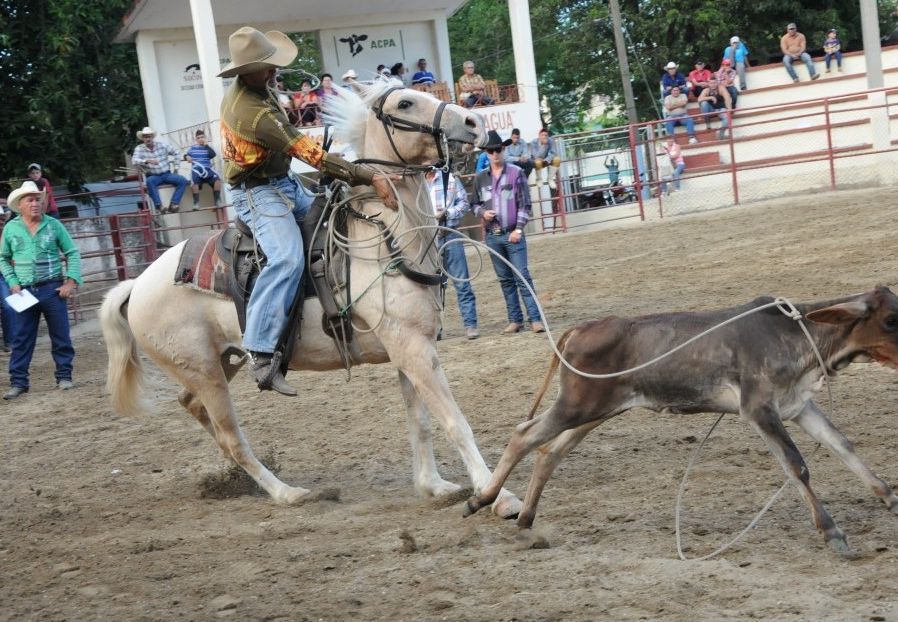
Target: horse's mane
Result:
[348, 113]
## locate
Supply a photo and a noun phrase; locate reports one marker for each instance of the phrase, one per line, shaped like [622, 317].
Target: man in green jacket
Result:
[30, 252]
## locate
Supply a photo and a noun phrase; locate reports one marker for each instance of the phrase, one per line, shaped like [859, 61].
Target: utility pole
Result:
[872, 48]
[629, 102]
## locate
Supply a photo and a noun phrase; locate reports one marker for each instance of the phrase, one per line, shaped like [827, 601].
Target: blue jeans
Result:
[24, 337]
[516, 254]
[7, 315]
[740, 70]
[154, 181]
[787, 61]
[456, 266]
[827, 58]
[685, 119]
[273, 212]
[708, 110]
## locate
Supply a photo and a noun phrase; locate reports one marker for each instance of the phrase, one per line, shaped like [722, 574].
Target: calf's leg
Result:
[821, 429]
[767, 423]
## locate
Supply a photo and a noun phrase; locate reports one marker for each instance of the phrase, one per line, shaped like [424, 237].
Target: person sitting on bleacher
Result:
[671, 78]
[726, 78]
[832, 47]
[698, 78]
[422, 77]
[545, 159]
[152, 157]
[716, 100]
[794, 46]
[675, 114]
[737, 54]
[472, 88]
[518, 153]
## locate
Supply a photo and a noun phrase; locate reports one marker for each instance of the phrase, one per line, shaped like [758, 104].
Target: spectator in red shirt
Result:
[699, 78]
[36, 174]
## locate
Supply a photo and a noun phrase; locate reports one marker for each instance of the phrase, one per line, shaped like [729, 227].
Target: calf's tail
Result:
[553, 365]
[124, 376]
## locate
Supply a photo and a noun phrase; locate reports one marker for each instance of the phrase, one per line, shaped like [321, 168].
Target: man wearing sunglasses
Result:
[793, 44]
[502, 200]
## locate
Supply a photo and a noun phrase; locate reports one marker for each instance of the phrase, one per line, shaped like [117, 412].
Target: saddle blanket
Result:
[201, 268]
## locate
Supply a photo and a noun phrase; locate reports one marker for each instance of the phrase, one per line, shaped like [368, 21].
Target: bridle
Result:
[393, 123]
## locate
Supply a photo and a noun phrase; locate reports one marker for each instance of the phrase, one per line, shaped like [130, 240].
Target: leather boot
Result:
[267, 374]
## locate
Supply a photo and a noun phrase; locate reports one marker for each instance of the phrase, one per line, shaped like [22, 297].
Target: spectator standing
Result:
[518, 153]
[698, 79]
[450, 202]
[472, 88]
[423, 77]
[726, 78]
[483, 162]
[152, 157]
[671, 78]
[794, 45]
[30, 253]
[832, 47]
[36, 174]
[349, 77]
[665, 173]
[327, 88]
[398, 73]
[716, 100]
[502, 200]
[737, 54]
[307, 104]
[200, 156]
[677, 161]
[675, 114]
[613, 168]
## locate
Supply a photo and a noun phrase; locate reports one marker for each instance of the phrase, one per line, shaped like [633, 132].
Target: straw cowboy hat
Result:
[251, 51]
[29, 187]
[147, 131]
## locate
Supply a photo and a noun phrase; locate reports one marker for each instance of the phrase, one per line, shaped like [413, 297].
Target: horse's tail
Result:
[124, 376]
[553, 365]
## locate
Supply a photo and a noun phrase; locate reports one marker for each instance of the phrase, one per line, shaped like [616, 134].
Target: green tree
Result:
[71, 98]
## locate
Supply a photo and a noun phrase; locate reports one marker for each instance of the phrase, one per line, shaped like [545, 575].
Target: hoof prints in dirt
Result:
[234, 482]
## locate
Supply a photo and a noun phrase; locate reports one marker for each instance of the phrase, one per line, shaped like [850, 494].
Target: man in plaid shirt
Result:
[152, 157]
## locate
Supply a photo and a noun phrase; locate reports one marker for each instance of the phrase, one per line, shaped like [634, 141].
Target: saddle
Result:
[226, 263]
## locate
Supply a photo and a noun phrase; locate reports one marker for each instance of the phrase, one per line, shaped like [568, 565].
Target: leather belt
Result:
[42, 283]
[255, 182]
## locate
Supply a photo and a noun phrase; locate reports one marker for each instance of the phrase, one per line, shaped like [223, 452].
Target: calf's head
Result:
[870, 323]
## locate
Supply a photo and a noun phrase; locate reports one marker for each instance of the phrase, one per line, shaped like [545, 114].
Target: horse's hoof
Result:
[300, 496]
[452, 498]
[527, 539]
[893, 507]
[507, 506]
[439, 488]
[839, 544]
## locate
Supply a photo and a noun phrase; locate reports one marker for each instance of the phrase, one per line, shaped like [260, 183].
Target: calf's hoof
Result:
[300, 496]
[838, 543]
[528, 539]
[471, 507]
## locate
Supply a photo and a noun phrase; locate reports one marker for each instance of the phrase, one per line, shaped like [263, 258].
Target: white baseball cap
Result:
[734, 39]
[350, 73]
[670, 65]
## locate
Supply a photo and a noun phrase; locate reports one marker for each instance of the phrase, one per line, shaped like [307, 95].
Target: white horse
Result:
[195, 338]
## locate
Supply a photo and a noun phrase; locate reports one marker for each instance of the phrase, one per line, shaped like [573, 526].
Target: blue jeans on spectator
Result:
[273, 211]
[516, 254]
[7, 315]
[154, 181]
[708, 109]
[684, 119]
[456, 267]
[24, 337]
[787, 61]
[828, 57]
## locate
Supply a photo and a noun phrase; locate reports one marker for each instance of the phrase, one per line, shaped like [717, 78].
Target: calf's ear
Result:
[840, 313]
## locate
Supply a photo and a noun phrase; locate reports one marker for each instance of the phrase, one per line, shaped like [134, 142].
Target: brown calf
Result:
[760, 366]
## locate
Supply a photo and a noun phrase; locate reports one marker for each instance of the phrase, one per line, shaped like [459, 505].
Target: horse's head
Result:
[385, 121]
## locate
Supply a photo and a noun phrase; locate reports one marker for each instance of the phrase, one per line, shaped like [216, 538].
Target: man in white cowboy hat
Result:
[258, 142]
[349, 77]
[30, 259]
[152, 157]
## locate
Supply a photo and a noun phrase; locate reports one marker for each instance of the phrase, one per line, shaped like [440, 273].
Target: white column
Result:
[152, 86]
[442, 64]
[522, 42]
[210, 64]
[879, 116]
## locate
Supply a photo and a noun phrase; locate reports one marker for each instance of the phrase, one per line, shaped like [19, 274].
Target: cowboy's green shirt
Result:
[27, 259]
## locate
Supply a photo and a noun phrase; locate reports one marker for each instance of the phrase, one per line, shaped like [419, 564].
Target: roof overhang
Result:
[280, 15]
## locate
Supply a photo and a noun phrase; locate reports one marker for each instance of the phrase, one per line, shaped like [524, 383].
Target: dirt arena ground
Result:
[103, 517]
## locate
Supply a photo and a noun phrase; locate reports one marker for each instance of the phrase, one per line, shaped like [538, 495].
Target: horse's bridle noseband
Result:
[392, 122]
